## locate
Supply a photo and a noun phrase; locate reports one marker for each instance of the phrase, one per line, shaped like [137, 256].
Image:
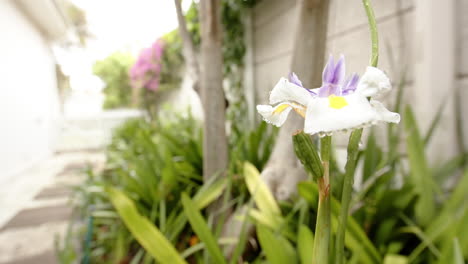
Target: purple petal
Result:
[311, 92]
[351, 84]
[294, 79]
[339, 71]
[329, 70]
[328, 89]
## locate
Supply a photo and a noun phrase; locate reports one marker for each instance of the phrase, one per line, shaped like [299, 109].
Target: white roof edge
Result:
[47, 16]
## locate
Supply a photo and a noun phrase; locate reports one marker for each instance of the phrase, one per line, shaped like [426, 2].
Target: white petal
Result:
[276, 118]
[373, 82]
[321, 118]
[383, 114]
[285, 91]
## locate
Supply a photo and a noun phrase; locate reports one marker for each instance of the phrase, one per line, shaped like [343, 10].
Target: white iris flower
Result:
[338, 105]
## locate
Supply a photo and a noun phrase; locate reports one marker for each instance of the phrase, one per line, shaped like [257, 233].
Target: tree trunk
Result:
[215, 152]
[188, 49]
[283, 171]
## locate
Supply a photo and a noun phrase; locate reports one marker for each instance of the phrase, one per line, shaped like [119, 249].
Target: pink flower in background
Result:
[145, 72]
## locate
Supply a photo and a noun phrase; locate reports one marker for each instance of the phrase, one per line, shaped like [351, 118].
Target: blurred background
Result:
[98, 93]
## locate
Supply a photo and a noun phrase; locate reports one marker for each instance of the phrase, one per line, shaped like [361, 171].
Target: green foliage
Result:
[171, 62]
[150, 165]
[114, 72]
[193, 24]
[201, 228]
[253, 145]
[420, 174]
[305, 239]
[147, 235]
[153, 165]
[277, 249]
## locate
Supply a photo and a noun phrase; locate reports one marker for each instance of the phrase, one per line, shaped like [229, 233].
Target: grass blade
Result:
[277, 249]
[395, 259]
[261, 194]
[210, 192]
[439, 225]
[420, 173]
[143, 230]
[305, 242]
[201, 228]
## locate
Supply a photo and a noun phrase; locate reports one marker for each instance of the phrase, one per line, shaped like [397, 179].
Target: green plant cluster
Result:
[151, 164]
[113, 71]
[152, 194]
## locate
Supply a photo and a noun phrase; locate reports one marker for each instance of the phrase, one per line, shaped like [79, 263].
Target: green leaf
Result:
[272, 221]
[307, 153]
[420, 173]
[435, 121]
[201, 228]
[143, 230]
[395, 259]
[442, 221]
[210, 192]
[453, 255]
[305, 243]
[372, 157]
[457, 256]
[205, 195]
[277, 249]
[261, 194]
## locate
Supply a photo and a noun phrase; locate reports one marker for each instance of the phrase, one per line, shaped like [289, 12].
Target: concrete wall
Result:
[348, 34]
[29, 100]
[461, 65]
[274, 26]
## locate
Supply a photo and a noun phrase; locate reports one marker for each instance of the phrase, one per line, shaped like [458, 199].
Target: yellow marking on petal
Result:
[280, 108]
[300, 111]
[337, 102]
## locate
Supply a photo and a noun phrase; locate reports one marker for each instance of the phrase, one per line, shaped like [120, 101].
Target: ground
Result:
[35, 204]
[34, 214]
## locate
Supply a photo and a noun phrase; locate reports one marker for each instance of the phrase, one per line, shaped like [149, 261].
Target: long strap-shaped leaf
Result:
[277, 249]
[261, 194]
[420, 173]
[143, 230]
[201, 228]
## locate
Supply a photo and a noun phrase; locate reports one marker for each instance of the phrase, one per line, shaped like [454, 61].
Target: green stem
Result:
[353, 148]
[373, 33]
[323, 226]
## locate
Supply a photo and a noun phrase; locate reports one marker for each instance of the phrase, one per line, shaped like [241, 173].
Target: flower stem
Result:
[353, 148]
[373, 33]
[323, 226]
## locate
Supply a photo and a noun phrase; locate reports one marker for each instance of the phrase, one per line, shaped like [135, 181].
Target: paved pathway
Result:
[35, 207]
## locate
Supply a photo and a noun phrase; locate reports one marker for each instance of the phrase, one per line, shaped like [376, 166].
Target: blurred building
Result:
[425, 41]
[29, 108]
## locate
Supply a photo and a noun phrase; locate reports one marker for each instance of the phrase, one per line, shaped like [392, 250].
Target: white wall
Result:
[29, 106]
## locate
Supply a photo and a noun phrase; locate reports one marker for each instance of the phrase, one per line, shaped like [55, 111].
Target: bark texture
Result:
[188, 49]
[283, 171]
[215, 152]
